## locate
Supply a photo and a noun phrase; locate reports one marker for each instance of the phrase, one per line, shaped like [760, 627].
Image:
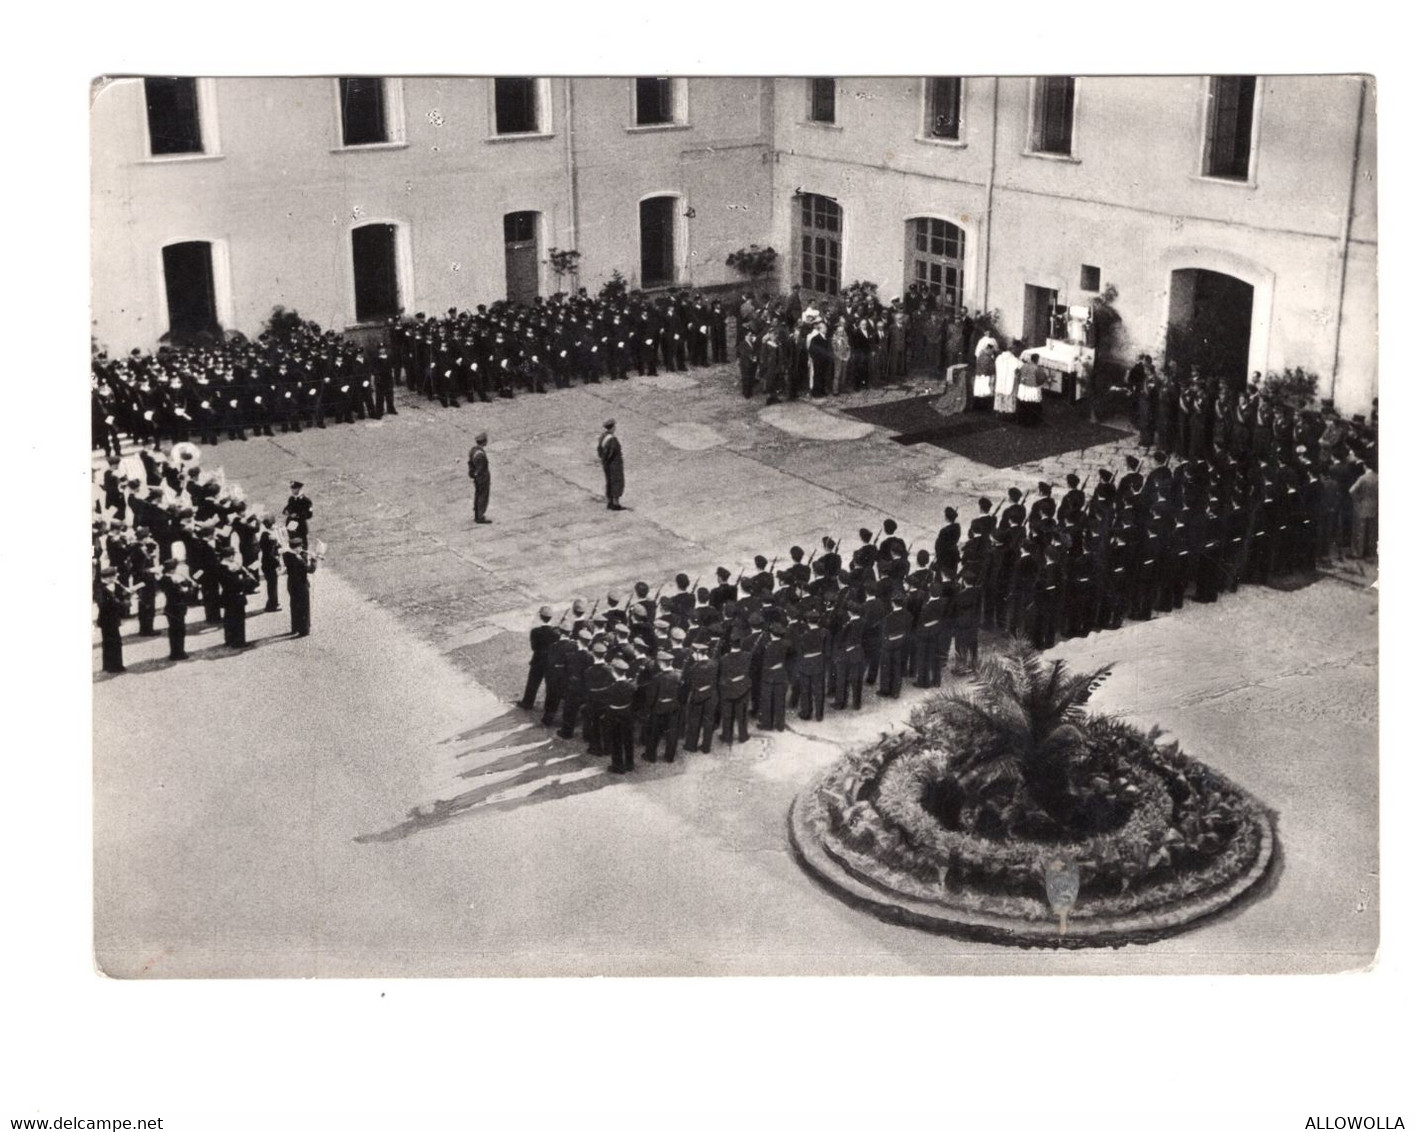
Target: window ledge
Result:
[813, 124]
[538, 134]
[656, 127]
[947, 143]
[369, 146]
[1064, 158]
[1232, 182]
[180, 158]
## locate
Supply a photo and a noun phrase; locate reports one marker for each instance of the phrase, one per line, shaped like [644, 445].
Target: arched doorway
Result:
[1210, 324]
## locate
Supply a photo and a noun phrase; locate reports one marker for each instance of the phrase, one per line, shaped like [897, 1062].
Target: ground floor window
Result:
[936, 250]
[821, 220]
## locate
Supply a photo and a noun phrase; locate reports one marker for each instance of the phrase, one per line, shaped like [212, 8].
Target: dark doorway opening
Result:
[191, 288]
[658, 257]
[1037, 306]
[1210, 324]
[375, 272]
[522, 257]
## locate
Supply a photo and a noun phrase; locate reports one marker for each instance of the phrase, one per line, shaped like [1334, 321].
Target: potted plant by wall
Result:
[753, 262]
[563, 262]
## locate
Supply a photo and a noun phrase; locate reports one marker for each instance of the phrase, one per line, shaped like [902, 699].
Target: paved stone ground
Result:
[363, 801]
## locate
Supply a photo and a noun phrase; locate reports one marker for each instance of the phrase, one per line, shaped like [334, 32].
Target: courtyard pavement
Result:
[365, 801]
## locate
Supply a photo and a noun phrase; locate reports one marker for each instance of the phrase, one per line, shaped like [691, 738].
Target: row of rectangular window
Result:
[1228, 135]
[367, 116]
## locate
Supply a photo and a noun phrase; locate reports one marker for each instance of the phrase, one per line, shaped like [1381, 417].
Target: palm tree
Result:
[1027, 715]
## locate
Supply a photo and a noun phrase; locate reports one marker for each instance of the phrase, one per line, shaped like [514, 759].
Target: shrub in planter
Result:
[994, 785]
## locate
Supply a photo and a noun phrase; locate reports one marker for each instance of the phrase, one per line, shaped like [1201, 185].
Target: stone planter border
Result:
[807, 821]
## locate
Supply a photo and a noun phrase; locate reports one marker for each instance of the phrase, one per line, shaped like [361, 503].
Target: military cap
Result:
[599, 648]
[760, 561]
[1014, 494]
[108, 572]
[984, 503]
[950, 514]
[677, 634]
[1132, 462]
[682, 580]
[295, 485]
[1073, 480]
[866, 535]
[724, 573]
[619, 664]
[545, 613]
[664, 657]
[481, 438]
[609, 424]
[584, 635]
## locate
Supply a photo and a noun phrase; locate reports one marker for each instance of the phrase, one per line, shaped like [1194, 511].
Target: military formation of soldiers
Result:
[1055, 562]
[177, 537]
[302, 377]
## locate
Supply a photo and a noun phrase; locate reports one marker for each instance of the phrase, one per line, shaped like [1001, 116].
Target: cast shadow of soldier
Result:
[219, 651]
[552, 768]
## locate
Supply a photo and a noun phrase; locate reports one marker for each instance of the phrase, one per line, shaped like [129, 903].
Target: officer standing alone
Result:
[479, 469]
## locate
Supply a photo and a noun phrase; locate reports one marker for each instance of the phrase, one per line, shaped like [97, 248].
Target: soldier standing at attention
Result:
[700, 699]
[298, 568]
[270, 564]
[178, 591]
[479, 469]
[111, 606]
[663, 706]
[542, 637]
[611, 458]
[733, 689]
[299, 510]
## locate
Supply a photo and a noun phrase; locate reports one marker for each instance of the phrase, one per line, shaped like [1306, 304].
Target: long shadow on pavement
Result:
[535, 754]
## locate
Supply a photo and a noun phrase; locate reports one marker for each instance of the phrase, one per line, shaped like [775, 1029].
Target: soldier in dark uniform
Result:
[775, 677]
[236, 583]
[611, 458]
[734, 686]
[985, 522]
[849, 657]
[558, 659]
[542, 637]
[299, 510]
[663, 710]
[384, 372]
[812, 644]
[617, 718]
[112, 604]
[177, 593]
[699, 699]
[269, 550]
[724, 591]
[479, 470]
[895, 630]
[299, 565]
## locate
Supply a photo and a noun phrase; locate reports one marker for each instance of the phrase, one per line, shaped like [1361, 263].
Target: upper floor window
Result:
[173, 116]
[1053, 104]
[822, 107]
[518, 108]
[943, 107]
[1228, 143]
[653, 102]
[363, 112]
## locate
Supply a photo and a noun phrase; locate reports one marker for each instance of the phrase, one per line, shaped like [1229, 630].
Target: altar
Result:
[1069, 362]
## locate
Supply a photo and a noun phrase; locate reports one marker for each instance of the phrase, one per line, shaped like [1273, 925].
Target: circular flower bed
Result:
[959, 827]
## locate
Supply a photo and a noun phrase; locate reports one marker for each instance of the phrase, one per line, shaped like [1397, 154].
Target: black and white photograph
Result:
[722, 567]
[717, 526]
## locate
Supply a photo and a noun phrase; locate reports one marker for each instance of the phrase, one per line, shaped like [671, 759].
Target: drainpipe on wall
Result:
[572, 170]
[1346, 233]
[987, 207]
